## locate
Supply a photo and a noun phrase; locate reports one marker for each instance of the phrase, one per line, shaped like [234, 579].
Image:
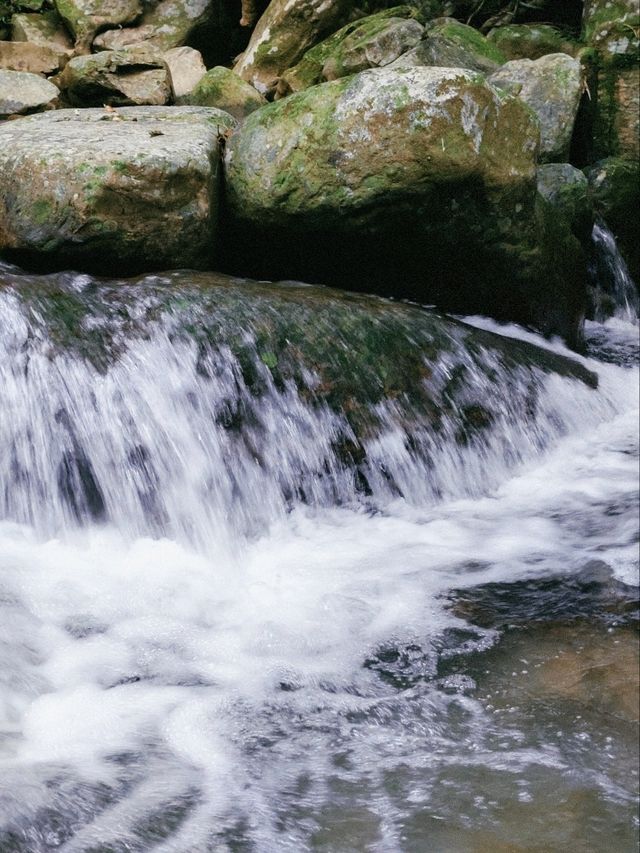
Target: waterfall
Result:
[615, 292]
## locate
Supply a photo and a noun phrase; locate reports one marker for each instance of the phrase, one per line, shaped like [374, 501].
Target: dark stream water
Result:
[257, 594]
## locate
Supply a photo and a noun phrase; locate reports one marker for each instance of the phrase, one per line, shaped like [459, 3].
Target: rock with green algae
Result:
[417, 182]
[85, 18]
[611, 29]
[615, 187]
[129, 189]
[284, 33]
[45, 29]
[551, 86]
[531, 41]
[448, 43]
[130, 77]
[23, 92]
[223, 89]
[163, 25]
[358, 35]
[567, 190]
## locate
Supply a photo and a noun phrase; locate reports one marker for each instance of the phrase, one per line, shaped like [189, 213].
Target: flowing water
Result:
[247, 604]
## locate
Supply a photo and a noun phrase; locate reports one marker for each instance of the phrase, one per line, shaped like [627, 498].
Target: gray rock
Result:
[45, 30]
[551, 86]
[186, 69]
[447, 43]
[163, 25]
[130, 77]
[125, 190]
[84, 18]
[566, 189]
[372, 47]
[21, 92]
[284, 33]
[22, 56]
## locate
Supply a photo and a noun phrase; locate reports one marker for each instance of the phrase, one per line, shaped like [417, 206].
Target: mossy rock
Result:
[615, 187]
[284, 33]
[308, 72]
[85, 18]
[450, 44]
[416, 182]
[223, 89]
[567, 190]
[531, 41]
[129, 77]
[552, 87]
[122, 190]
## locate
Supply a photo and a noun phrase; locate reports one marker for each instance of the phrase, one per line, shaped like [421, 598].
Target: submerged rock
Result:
[288, 392]
[551, 86]
[133, 77]
[420, 182]
[223, 89]
[22, 92]
[127, 189]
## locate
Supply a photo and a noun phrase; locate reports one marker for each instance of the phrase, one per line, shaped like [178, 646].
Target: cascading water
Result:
[616, 294]
[285, 570]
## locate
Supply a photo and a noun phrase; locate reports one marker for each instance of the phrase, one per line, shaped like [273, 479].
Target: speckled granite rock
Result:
[120, 190]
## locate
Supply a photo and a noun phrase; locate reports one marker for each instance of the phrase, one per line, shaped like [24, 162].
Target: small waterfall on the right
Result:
[614, 293]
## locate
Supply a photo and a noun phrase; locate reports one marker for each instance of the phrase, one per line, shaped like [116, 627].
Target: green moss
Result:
[469, 38]
[41, 211]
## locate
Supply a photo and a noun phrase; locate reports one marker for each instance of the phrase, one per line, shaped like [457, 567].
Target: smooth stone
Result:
[22, 56]
[186, 69]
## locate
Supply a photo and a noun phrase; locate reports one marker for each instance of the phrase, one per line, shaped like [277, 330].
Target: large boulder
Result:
[551, 86]
[531, 41]
[134, 77]
[373, 41]
[449, 44]
[23, 92]
[223, 89]
[121, 190]
[85, 18]
[417, 182]
[283, 35]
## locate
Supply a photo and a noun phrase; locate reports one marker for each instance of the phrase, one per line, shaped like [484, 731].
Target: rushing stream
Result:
[247, 606]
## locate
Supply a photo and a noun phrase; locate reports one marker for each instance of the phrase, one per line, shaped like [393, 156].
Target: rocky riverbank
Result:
[451, 153]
